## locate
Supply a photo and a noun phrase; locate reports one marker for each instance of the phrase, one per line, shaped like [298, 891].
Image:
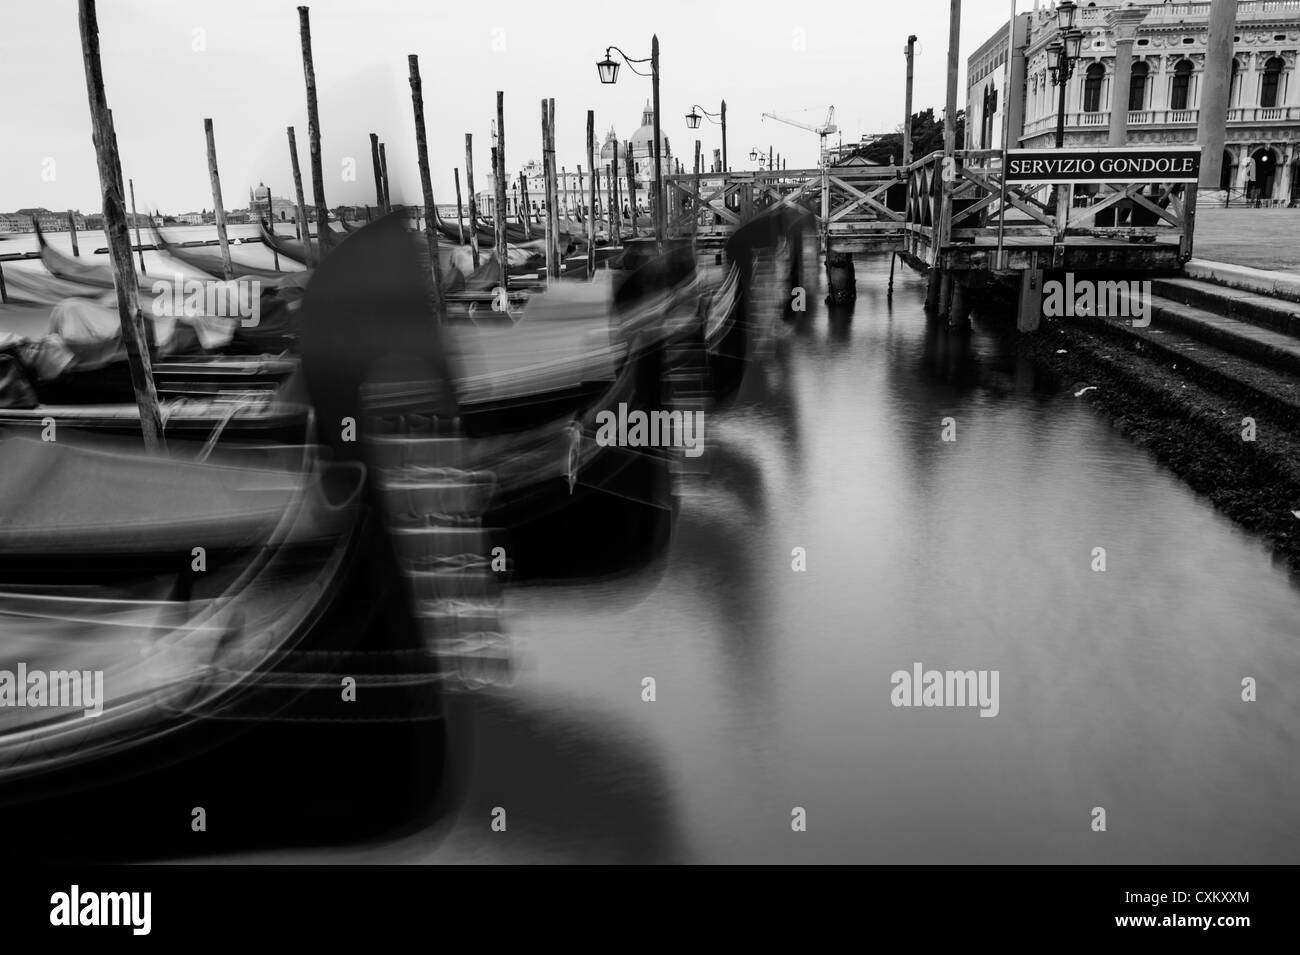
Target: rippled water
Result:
[1119, 690]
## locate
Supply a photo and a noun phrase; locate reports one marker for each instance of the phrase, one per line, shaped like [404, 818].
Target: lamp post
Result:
[608, 72]
[1061, 54]
[693, 122]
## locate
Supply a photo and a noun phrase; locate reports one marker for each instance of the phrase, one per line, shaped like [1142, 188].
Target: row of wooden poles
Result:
[117, 230]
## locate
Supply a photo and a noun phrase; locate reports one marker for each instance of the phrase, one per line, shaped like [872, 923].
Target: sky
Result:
[168, 64]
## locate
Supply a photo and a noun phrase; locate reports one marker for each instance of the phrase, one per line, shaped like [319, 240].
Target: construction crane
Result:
[824, 130]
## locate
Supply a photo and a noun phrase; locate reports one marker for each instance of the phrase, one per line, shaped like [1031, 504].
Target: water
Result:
[1119, 690]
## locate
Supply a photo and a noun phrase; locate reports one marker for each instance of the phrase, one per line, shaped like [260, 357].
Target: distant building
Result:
[572, 190]
[21, 221]
[1262, 151]
[192, 218]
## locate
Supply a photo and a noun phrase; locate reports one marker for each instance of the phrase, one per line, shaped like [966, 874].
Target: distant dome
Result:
[643, 138]
[607, 150]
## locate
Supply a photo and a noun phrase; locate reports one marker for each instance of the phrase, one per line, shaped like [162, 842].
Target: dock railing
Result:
[850, 202]
[962, 204]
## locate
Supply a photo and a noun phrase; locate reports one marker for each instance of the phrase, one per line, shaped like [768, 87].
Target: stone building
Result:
[1165, 82]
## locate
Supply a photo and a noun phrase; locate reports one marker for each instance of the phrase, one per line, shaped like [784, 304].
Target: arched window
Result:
[1092, 88]
[1182, 85]
[1137, 90]
[1271, 81]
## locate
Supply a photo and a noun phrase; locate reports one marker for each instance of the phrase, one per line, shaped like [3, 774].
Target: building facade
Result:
[1262, 151]
[21, 221]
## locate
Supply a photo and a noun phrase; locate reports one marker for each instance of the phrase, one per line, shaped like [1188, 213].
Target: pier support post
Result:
[959, 311]
[1029, 303]
[932, 288]
[945, 293]
[841, 278]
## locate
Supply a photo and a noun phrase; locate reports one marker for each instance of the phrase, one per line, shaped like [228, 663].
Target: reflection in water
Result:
[1118, 689]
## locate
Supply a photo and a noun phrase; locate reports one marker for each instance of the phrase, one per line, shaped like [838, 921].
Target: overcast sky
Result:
[167, 65]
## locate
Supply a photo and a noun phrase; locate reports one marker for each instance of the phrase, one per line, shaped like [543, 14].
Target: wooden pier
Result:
[956, 219]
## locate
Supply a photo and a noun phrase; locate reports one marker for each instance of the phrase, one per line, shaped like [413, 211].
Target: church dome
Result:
[643, 138]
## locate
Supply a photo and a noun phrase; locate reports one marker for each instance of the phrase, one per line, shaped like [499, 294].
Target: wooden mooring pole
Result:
[631, 186]
[304, 233]
[591, 198]
[473, 199]
[72, 227]
[553, 253]
[313, 134]
[119, 238]
[218, 208]
[374, 163]
[383, 170]
[460, 213]
[499, 180]
[139, 245]
[526, 216]
[426, 187]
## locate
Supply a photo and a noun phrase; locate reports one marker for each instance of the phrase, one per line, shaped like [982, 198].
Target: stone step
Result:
[1276, 391]
[1283, 285]
[1266, 311]
[1273, 349]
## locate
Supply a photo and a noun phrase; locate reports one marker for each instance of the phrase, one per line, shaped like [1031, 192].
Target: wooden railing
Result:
[847, 200]
[965, 207]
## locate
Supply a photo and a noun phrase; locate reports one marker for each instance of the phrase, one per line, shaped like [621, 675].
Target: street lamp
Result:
[1061, 54]
[608, 72]
[693, 122]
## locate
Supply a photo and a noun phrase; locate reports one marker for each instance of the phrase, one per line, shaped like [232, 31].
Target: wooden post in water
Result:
[546, 191]
[499, 179]
[304, 232]
[383, 169]
[119, 238]
[313, 135]
[270, 227]
[460, 213]
[591, 198]
[139, 245]
[564, 190]
[527, 217]
[631, 186]
[72, 230]
[426, 187]
[374, 162]
[611, 220]
[219, 210]
[552, 196]
[618, 199]
[473, 200]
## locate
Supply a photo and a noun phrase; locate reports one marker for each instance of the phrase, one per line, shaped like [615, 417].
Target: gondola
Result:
[220, 686]
[211, 263]
[294, 248]
[71, 269]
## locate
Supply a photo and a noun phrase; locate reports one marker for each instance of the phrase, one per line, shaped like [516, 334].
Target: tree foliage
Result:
[927, 137]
